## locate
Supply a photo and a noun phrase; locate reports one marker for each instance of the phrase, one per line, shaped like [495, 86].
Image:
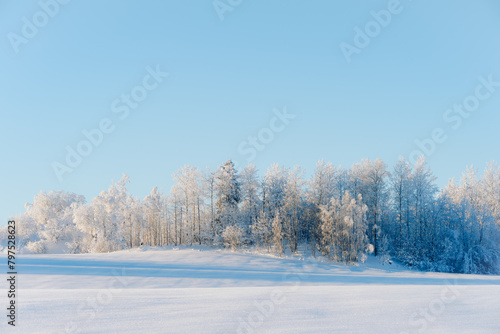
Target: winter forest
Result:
[341, 214]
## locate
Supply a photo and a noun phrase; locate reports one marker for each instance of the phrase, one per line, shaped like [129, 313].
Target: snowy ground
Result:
[209, 291]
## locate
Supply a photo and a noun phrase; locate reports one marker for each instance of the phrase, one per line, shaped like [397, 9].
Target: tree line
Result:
[342, 214]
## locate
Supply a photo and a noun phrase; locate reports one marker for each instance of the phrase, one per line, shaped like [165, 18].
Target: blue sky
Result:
[225, 79]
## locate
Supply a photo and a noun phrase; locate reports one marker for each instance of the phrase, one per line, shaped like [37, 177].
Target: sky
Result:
[349, 80]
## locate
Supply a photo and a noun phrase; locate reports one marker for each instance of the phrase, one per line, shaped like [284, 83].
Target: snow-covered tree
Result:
[401, 187]
[261, 231]
[368, 180]
[233, 236]
[277, 234]
[250, 202]
[274, 190]
[51, 219]
[228, 194]
[293, 209]
[154, 215]
[343, 225]
[110, 210]
[189, 195]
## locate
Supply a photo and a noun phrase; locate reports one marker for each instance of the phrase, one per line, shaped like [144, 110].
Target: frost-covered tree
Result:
[189, 188]
[491, 189]
[368, 179]
[250, 202]
[87, 224]
[48, 222]
[326, 183]
[277, 234]
[261, 231]
[228, 192]
[424, 192]
[110, 209]
[176, 202]
[293, 208]
[154, 216]
[233, 236]
[401, 187]
[474, 243]
[274, 190]
[135, 226]
[211, 196]
[343, 226]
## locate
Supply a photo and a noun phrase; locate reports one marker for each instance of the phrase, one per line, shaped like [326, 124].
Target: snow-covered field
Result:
[191, 290]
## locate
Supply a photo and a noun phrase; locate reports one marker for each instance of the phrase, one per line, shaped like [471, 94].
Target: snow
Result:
[201, 290]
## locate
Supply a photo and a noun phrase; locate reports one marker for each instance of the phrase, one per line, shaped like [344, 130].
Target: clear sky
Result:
[227, 76]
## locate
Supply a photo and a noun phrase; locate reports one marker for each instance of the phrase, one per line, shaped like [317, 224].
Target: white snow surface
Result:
[201, 290]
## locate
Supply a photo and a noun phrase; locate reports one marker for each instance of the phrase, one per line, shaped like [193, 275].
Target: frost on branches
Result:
[342, 214]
